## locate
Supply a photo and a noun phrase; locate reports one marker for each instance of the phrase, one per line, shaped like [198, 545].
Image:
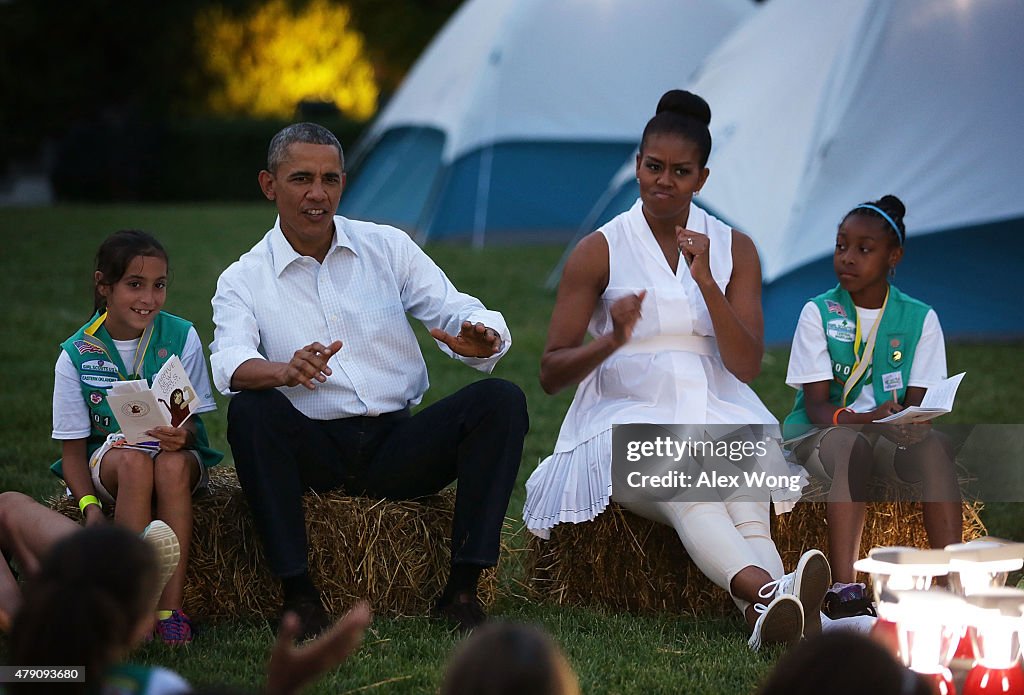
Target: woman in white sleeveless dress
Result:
[672, 299]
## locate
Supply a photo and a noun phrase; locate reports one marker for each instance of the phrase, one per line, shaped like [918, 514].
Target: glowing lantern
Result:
[899, 569]
[996, 623]
[976, 567]
[928, 628]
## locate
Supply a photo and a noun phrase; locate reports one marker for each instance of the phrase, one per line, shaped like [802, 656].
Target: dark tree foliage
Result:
[71, 66]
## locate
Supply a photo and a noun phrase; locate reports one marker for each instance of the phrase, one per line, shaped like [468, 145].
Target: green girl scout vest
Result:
[99, 365]
[895, 343]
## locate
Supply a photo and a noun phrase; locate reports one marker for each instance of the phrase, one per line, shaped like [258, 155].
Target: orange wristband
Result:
[835, 415]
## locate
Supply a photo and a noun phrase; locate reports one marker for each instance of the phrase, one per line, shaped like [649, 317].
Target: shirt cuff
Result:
[225, 362]
[491, 319]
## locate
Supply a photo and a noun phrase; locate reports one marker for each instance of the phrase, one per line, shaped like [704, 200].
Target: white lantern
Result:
[996, 627]
[928, 628]
[976, 567]
[899, 569]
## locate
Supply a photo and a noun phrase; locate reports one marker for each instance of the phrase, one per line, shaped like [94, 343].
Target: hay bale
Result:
[393, 554]
[626, 563]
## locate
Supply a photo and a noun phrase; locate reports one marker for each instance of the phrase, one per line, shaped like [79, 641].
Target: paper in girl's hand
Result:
[140, 408]
[174, 391]
[938, 400]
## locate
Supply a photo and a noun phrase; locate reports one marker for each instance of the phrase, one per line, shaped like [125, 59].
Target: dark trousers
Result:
[474, 436]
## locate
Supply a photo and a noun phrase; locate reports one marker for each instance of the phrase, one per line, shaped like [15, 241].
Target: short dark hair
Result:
[507, 659]
[309, 133]
[865, 667]
[684, 114]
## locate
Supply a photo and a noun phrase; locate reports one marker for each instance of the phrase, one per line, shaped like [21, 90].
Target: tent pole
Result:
[483, 189]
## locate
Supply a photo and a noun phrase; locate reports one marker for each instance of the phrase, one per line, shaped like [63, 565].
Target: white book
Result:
[139, 407]
[938, 400]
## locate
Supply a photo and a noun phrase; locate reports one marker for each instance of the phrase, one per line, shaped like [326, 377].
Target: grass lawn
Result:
[45, 272]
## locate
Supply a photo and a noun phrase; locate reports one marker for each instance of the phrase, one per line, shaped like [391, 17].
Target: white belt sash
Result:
[699, 344]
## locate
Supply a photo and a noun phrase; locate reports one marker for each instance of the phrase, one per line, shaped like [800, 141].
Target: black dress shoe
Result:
[463, 612]
[313, 619]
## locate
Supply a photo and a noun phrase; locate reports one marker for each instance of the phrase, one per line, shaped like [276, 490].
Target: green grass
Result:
[45, 272]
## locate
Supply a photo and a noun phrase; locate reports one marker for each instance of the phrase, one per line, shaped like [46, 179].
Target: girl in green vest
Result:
[862, 351]
[129, 337]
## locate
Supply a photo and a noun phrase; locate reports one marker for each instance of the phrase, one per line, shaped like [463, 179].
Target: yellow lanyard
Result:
[863, 358]
[115, 358]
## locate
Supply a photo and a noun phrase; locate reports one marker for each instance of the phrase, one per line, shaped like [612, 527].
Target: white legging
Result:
[721, 538]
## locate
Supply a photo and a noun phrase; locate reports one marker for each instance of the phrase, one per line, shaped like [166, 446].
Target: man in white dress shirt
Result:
[313, 345]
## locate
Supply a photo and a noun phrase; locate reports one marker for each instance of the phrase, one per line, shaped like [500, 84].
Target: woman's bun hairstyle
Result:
[684, 114]
[685, 104]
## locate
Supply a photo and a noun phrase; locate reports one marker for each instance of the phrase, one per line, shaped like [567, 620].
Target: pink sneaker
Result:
[175, 630]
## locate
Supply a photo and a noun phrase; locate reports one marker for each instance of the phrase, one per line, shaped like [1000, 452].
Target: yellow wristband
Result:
[86, 501]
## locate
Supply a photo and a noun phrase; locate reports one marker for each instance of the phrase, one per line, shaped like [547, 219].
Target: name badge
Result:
[893, 381]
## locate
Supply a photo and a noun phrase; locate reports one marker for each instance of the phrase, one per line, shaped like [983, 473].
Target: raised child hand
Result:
[291, 667]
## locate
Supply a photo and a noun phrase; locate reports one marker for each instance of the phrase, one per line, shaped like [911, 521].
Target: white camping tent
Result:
[518, 112]
[817, 106]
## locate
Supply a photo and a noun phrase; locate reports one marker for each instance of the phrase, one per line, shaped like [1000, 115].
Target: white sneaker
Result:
[808, 583]
[780, 622]
[855, 623]
[168, 552]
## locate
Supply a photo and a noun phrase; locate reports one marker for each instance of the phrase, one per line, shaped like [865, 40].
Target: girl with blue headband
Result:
[862, 351]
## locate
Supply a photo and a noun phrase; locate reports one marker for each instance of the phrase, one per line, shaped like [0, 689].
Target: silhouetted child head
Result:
[842, 663]
[509, 659]
[89, 605]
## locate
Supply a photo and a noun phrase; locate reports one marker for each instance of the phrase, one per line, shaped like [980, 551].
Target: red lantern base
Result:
[884, 631]
[1004, 681]
[964, 657]
[941, 683]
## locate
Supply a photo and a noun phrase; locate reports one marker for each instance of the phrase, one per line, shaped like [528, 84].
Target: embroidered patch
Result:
[100, 366]
[895, 350]
[95, 397]
[835, 308]
[84, 347]
[101, 381]
[844, 330]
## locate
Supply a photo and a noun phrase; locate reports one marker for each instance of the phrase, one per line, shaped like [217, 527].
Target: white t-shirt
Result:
[71, 414]
[809, 361]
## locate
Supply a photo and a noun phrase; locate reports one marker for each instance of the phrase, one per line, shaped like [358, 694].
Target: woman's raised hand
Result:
[625, 313]
[695, 248]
